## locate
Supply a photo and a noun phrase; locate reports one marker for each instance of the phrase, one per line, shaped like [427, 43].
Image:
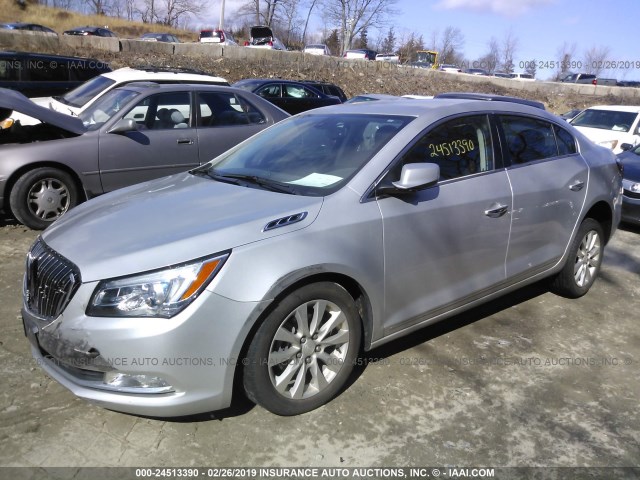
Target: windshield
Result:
[79, 96]
[605, 120]
[106, 107]
[315, 154]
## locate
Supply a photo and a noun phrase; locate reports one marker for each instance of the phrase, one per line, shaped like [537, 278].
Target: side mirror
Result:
[626, 146]
[415, 176]
[124, 125]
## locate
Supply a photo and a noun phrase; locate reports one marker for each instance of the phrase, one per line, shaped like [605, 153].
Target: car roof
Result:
[436, 108]
[151, 73]
[617, 108]
[144, 87]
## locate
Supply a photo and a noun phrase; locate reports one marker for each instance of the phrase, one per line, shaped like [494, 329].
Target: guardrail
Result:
[37, 42]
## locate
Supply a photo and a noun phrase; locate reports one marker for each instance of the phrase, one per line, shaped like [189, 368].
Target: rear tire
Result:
[304, 352]
[41, 196]
[584, 261]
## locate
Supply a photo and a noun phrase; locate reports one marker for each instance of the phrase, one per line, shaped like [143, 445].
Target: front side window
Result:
[270, 91]
[460, 147]
[528, 139]
[163, 111]
[106, 107]
[218, 109]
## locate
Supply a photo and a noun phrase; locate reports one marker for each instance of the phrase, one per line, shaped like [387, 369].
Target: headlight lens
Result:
[161, 293]
[609, 144]
[630, 186]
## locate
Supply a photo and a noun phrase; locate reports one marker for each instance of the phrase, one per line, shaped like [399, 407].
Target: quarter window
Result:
[528, 139]
[566, 142]
[460, 147]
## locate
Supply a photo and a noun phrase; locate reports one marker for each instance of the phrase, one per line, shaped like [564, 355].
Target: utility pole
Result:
[221, 24]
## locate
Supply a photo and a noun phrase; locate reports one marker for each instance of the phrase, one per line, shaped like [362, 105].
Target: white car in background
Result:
[610, 126]
[219, 37]
[317, 49]
[387, 57]
[77, 100]
[525, 77]
[450, 68]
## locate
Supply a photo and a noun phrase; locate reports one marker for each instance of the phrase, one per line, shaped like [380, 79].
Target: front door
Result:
[446, 245]
[165, 143]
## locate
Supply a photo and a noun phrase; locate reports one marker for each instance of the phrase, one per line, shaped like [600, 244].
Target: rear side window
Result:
[528, 139]
[46, 71]
[460, 147]
[10, 69]
[217, 109]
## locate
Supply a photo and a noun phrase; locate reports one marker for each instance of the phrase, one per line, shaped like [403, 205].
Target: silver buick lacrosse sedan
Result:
[328, 234]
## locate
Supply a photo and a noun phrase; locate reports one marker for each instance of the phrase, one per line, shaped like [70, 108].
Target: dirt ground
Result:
[529, 380]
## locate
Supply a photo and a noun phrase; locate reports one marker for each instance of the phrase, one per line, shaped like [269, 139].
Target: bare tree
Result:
[306, 23]
[388, 45]
[490, 60]
[594, 59]
[531, 67]
[449, 45]
[99, 7]
[353, 16]
[565, 56]
[290, 12]
[508, 51]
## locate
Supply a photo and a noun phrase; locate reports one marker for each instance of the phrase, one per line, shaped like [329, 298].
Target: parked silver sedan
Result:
[131, 134]
[332, 232]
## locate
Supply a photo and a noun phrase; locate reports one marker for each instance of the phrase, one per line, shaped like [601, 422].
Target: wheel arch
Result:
[13, 178]
[294, 282]
[602, 213]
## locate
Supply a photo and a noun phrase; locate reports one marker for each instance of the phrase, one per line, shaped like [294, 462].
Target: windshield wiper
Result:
[266, 183]
[238, 178]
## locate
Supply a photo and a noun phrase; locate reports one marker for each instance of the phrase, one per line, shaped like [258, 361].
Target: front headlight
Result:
[630, 186]
[162, 293]
[609, 144]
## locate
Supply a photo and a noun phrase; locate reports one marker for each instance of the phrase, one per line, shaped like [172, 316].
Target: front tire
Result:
[303, 353]
[583, 263]
[41, 196]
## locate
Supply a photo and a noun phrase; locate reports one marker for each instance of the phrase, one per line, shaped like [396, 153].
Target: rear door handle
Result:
[576, 187]
[185, 141]
[496, 210]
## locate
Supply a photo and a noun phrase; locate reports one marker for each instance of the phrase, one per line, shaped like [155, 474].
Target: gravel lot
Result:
[530, 380]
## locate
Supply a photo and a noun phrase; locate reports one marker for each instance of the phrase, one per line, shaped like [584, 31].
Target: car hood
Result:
[170, 221]
[597, 135]
[11, 101]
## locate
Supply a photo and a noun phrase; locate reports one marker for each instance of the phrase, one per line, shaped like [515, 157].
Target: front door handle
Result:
[185, 141]
[496, 210]
[577, 186]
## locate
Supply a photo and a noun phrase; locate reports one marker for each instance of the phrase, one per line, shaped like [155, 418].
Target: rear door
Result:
[446, 245]
[549, 180]
[224, 120]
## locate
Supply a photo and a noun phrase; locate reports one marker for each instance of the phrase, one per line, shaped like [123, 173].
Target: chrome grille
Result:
[50, 281]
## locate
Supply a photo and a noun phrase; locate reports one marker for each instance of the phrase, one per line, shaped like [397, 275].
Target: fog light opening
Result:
[121, 380]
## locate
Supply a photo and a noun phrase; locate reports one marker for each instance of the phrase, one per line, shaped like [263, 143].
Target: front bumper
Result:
[195, 353]
[630, 209]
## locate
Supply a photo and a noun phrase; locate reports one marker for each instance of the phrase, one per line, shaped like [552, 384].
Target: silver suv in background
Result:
[335, 231]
